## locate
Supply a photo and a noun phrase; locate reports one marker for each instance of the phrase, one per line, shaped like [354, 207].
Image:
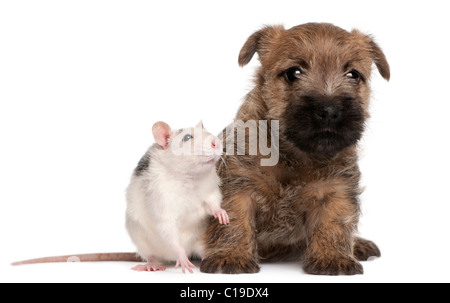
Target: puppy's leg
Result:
[331, 225]
[231, 249]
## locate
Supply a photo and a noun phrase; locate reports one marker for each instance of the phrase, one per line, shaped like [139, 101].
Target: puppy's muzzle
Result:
[328, 116]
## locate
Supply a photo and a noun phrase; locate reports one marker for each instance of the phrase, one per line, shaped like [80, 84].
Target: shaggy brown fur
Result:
[314, 79]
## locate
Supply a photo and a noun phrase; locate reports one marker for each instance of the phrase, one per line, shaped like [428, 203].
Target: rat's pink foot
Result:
[184, 262]
[152, 265]
[149, 267]
[222, 215]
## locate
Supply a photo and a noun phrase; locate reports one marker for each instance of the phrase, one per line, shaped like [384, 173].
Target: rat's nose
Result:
[215, 144]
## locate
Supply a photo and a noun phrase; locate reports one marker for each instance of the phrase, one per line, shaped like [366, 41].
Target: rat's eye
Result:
[293, 74]
[187, 137]
[354, 75]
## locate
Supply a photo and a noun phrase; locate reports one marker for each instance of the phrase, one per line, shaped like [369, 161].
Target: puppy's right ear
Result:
[258, 43]
[161, 133]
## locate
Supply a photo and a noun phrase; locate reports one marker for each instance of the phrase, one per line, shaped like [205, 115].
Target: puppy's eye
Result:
[354, 75]
[187, 137]
[293, 74]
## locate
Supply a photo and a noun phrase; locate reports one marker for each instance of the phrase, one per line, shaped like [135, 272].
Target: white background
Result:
[82, 82]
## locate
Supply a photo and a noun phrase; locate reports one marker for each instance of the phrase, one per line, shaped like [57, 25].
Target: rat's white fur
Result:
[169, 202]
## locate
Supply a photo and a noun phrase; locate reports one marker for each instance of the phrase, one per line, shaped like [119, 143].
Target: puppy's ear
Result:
[376, 53]
[380, 60]
[258, 43]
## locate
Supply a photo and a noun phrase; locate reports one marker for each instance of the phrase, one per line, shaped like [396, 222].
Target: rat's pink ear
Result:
[200, 125]
[161, 133]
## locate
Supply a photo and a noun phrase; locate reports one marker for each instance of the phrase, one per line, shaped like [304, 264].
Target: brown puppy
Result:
[314, 79]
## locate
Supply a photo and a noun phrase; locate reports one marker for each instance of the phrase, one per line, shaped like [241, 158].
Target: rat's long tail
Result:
[130, 257]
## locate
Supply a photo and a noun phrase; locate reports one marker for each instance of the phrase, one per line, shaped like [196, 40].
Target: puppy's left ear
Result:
[380, 60]
[259, 43]
[377, 54]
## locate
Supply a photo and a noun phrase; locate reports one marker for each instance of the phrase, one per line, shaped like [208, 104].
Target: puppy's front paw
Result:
[332, 266]
[229, 265]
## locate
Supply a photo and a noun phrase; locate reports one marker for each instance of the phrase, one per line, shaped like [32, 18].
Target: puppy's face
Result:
[315, 80]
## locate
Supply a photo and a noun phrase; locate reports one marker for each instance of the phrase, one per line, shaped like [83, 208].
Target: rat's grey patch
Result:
[142, 165]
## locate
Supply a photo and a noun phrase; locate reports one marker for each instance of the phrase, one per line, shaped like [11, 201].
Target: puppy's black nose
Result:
[328, 116]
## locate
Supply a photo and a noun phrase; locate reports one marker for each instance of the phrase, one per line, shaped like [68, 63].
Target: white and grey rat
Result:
[172, 192]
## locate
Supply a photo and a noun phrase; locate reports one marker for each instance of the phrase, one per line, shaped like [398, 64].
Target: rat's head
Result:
[191, 148]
